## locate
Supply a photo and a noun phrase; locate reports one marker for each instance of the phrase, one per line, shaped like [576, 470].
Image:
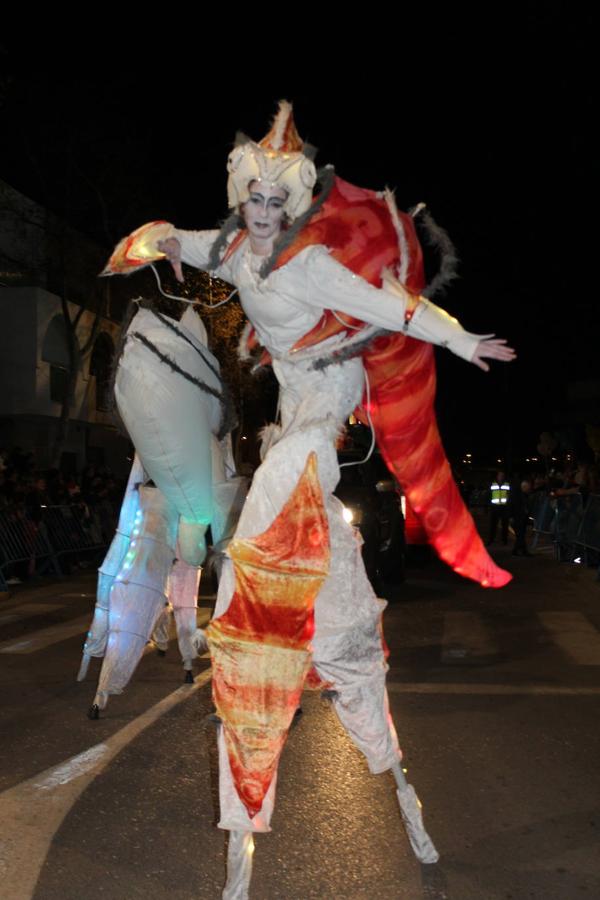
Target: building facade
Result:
[41, 260]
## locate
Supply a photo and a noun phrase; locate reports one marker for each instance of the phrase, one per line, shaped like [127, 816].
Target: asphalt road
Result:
[495, 696]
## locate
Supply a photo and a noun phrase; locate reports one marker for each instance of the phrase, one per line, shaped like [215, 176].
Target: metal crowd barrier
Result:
[61, 530]
[542, 513]
[588, 533]
[569, 521]
[72, 528]
[22, 540]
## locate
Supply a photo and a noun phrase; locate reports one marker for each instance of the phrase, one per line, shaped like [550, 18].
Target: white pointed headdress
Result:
[276, 160]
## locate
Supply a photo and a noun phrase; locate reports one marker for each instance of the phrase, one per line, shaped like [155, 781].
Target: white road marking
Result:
[32, 812]
[466, 636]
[73, 768]
[38, 640]
[47, 636]
[29, 610]
[18, 600]
[533, 690]
[575, 635]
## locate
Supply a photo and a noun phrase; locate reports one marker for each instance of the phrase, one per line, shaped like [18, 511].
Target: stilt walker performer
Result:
[334, 291]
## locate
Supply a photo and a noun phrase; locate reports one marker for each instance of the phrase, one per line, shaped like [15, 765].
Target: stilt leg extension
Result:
[239, 865]
[83, 668]
[412, 816]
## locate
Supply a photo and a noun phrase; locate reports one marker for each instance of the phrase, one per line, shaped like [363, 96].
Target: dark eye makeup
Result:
[276, 202]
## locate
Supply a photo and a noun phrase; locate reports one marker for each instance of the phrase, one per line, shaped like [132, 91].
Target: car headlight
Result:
[352, 516]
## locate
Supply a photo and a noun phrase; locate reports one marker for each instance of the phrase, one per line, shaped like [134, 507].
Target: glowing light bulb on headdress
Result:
[278, 160]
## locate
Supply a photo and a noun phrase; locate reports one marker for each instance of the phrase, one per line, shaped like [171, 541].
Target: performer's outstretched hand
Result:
[492, 348]
[172, 250]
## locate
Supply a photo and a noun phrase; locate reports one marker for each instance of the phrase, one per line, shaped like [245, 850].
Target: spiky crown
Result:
[278, 159]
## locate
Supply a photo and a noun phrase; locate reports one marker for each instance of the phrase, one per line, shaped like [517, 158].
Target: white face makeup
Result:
[263, 214]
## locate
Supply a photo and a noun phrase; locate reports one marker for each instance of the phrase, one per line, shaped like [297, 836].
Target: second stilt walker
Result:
[333, 288]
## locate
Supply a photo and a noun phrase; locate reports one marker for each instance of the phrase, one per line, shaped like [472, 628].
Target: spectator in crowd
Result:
[499, 507]
[520, 513]
[57, 490]
[26, 493]
[36, 499]
[583, 480]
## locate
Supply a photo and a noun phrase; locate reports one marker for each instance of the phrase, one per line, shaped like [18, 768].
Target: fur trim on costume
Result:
[439, 239]
[232, 223]
[215, 561]
[268, 437]
[242, 351]
[310, 151]
[252, 357]
[390, 200]
[241, 138]
[350, 349]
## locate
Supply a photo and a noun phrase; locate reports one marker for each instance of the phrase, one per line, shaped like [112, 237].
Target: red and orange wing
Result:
[357, 226]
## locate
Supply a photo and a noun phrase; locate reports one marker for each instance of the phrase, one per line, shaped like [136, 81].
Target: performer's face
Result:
[263, 211]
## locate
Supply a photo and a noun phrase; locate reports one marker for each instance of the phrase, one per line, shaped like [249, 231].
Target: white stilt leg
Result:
[410, 807]
[97, 636]
[160, 634]
[239, 865]
[83, 668]
[138, 593]
[183, 594]
[101, 699]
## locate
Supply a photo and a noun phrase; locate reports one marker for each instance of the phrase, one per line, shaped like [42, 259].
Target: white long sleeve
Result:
[289, 302]
[332, 286]
[196, 246]
[433, 324]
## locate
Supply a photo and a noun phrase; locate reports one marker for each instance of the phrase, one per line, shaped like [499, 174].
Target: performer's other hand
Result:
[172, 250]
[492, 348]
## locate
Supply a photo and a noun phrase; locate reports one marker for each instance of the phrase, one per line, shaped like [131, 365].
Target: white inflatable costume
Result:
[169, 395]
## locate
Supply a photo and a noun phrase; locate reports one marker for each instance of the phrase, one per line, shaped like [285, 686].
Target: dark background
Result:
[486, 117]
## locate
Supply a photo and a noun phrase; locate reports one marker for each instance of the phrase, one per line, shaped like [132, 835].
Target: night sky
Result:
[487, 120]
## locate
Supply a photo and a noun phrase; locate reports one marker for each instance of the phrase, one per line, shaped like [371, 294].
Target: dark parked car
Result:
[371, 499]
